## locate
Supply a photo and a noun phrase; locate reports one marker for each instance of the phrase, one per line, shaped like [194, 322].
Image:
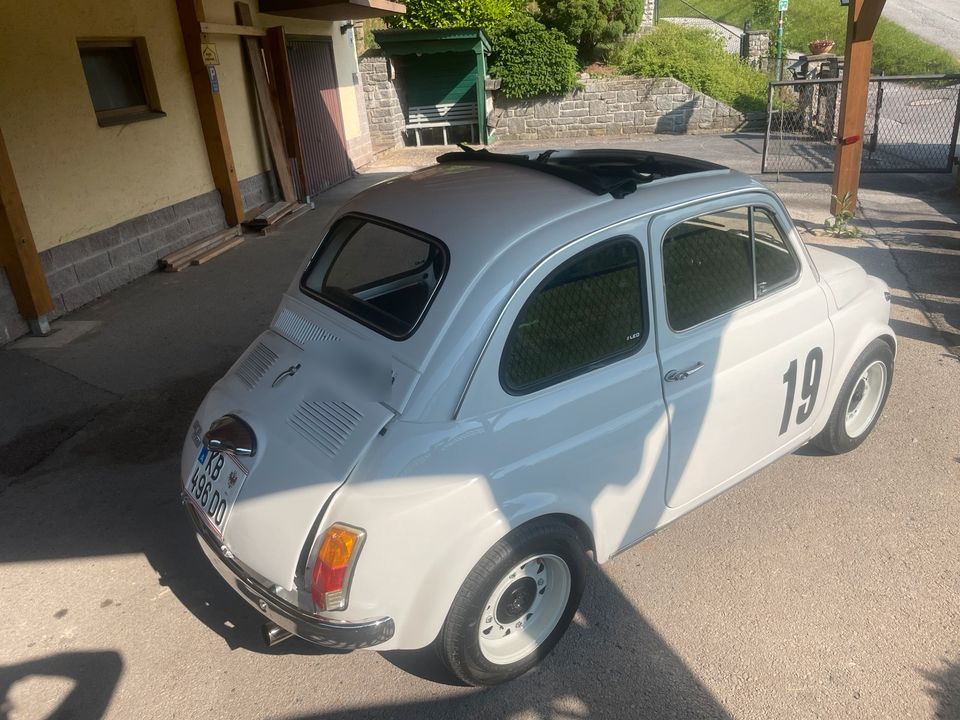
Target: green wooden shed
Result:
[443, 75]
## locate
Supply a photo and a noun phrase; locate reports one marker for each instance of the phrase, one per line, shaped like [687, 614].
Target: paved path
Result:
[937, 21]
[822, 587]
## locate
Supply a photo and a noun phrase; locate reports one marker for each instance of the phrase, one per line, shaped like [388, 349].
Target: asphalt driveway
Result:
[821, 587]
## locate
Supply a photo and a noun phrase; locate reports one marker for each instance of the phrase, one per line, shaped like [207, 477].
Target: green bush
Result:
[486, 14]
[696, 57]
[532, 60]
[588, 23]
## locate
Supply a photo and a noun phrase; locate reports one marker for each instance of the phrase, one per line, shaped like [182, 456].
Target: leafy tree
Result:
[531, 59]
[422, 14]
[588, 23]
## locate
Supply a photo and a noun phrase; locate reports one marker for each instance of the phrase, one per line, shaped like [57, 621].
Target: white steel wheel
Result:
[866, 399]
[524, 608]
[860, 400]
[516, 603]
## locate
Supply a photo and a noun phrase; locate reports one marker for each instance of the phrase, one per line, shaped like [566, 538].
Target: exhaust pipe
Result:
[273, 634]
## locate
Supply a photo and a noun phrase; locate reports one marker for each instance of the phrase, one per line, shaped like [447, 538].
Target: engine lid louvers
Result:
[256, 365]
[327, 425]
[298, 329]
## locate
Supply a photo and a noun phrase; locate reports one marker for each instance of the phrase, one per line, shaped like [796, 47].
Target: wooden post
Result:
[275, 48]
[18, 253]
[210, 108]
[862, 18]
[270, 123]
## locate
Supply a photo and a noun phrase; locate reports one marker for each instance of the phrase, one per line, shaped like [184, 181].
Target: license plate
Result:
[213, 486]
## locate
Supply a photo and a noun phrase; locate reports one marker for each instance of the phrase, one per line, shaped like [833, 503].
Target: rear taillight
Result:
[330, 581]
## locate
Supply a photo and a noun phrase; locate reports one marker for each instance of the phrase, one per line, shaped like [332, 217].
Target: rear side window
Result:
[590, 311]
[382, 275]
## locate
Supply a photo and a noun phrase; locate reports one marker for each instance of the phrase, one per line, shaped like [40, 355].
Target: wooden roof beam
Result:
[210, 107]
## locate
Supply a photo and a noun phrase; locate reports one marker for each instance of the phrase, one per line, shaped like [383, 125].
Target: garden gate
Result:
[911, 124]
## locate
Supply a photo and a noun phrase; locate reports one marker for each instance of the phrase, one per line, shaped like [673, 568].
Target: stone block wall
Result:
[382, 98]
[82, 270]
[615, 106]
[755, 47]
[649, 15]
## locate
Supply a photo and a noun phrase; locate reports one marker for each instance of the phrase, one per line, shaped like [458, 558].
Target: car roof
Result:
[480, 206]
[498, 220]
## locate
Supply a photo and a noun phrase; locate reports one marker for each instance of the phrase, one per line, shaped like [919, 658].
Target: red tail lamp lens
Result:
[338, 551]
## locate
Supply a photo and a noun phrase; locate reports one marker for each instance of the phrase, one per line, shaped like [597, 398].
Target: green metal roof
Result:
[412, 42]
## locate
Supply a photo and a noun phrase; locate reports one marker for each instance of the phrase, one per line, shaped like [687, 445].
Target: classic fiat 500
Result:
[496, 370]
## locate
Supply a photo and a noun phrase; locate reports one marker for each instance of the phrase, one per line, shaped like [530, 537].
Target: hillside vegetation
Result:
[896, 50]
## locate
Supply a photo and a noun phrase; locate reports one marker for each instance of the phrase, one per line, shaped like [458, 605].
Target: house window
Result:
[120, 80]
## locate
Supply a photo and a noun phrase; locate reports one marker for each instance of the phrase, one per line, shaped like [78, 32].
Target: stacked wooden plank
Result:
[201, 251]
[270, 215]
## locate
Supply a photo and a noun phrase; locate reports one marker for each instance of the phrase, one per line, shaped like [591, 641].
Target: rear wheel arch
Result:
[582, 530]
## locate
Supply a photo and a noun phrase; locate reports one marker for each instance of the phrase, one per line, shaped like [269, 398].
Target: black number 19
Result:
[808, 391]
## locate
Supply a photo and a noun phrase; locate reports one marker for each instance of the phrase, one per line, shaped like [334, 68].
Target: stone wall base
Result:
[614, 107]
[82, 270]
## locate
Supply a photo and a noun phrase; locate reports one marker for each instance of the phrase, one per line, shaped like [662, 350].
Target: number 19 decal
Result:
[808, 390]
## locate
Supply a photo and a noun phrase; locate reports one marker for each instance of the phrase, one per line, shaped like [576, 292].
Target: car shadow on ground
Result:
[610, 663]
[94, 674]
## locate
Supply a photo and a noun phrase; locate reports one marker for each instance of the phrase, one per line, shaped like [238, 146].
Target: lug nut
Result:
[540, 582]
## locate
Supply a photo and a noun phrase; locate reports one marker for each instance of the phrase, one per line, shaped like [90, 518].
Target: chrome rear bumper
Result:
[341, 636]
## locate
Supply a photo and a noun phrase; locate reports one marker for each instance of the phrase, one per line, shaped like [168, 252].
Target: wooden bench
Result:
[443, 116]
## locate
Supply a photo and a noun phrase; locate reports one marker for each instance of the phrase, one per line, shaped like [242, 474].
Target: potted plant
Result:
[820, 47]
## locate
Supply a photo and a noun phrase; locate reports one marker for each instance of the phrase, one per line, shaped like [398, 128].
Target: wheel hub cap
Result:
[866, 399]
[524, 608]
[516, 600]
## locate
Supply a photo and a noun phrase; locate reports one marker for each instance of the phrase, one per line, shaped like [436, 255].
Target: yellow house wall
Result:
[77, 177]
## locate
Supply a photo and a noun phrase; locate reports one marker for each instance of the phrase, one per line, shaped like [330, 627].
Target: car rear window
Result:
[381, 274]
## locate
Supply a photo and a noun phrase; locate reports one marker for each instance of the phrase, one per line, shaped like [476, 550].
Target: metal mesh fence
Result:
[910, 124]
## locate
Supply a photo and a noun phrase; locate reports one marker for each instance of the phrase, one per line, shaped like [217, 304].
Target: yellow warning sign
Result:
[209, 53]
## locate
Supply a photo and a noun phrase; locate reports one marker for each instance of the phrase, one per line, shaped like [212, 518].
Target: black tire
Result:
[458, 644]
[834, 438]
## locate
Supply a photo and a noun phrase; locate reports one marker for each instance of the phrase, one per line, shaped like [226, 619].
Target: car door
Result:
[744, 338]
[568, 394]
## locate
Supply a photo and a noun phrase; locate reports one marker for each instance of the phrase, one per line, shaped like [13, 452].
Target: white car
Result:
[496, 369]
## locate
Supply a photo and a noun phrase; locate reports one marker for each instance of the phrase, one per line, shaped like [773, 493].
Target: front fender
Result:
[856, 325]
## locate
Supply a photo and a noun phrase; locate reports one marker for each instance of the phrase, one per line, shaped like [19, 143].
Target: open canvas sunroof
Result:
[617, 172]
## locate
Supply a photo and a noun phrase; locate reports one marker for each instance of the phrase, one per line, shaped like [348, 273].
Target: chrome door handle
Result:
[677, 375]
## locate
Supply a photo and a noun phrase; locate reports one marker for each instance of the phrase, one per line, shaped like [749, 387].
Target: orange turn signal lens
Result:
[335, 558]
